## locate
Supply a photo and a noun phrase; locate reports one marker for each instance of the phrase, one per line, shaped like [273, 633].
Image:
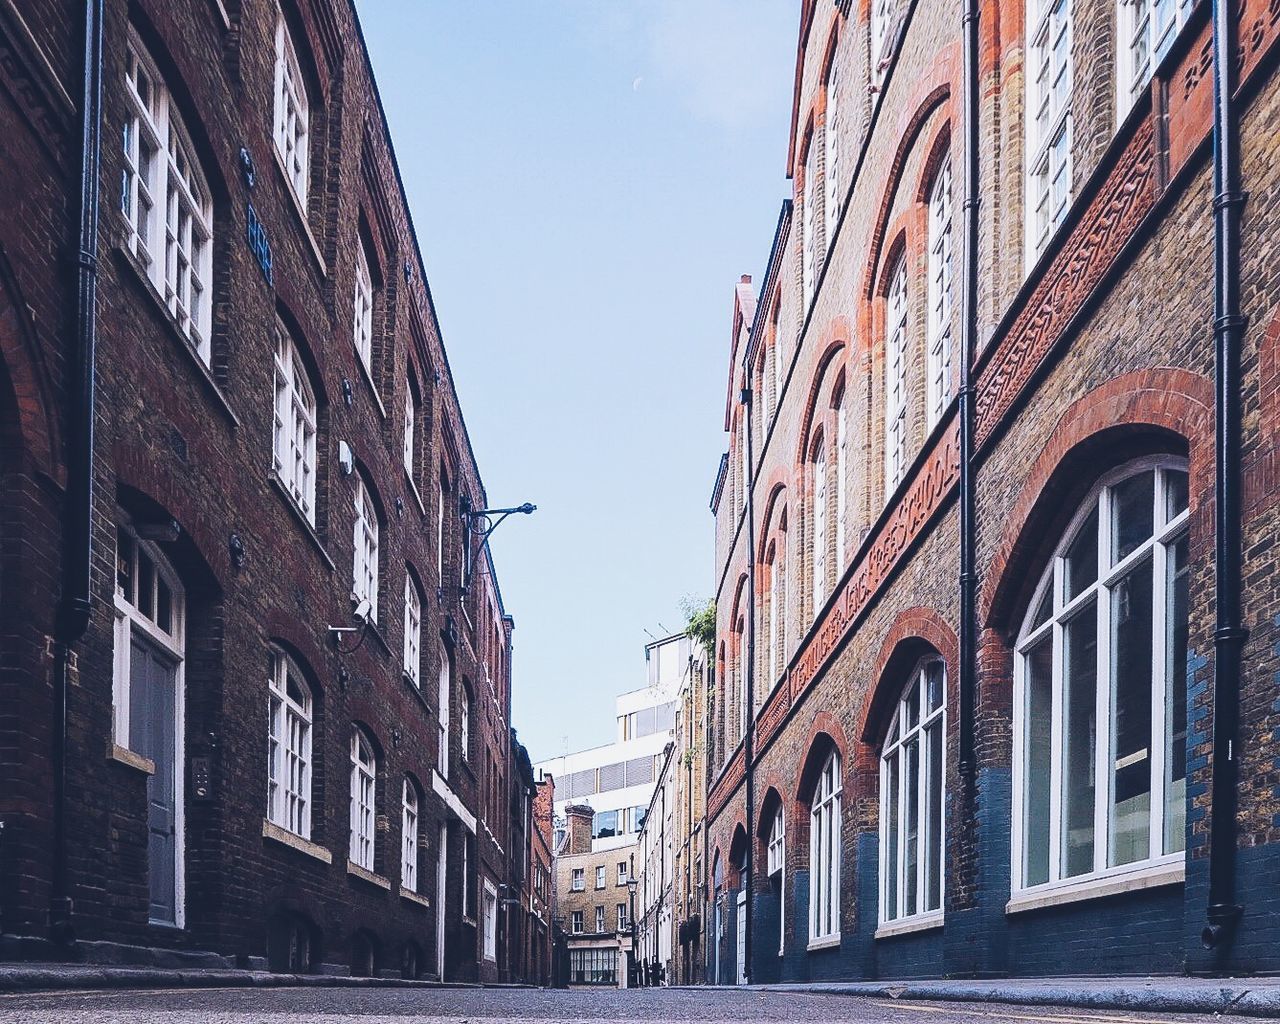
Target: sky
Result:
[588, 180]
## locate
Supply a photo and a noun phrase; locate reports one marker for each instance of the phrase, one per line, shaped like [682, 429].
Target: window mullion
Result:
[1104, 724]
[924, 775]
[1159, 692]
[1056, 735]
[902, 826]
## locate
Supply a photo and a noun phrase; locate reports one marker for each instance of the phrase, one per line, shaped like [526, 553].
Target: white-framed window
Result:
[409, 832]
[1100, 689]
[490, 921]
[600, 877]
[464, 724]
[291, 112]
[744, 712]
[895, 383]
[842, 480]
[911, 798]
[1147, 31]
[623, 921]
[363, 310]
[775, 615]
[575, 922]
[294, 444]
[364, 575]
[166, 203]
[364, 774]
[289, 711]
[881, 19]
[150, 631]
[818, 524]
[444, 697]
[775, 864]
[1049, 129]
[410, 422]
[579, 879]
[412, 630]
[938, 353]
[622, 872]
[824, 854]
[809, 227]
[599, 920]
[831, 140]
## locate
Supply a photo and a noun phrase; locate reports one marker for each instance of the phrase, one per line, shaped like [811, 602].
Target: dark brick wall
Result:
[194, 444]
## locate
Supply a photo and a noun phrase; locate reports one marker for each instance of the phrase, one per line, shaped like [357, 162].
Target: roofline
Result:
[717, 490]
[780, 235]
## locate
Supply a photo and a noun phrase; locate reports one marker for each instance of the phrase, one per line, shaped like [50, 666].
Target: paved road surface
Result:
[475, 1006]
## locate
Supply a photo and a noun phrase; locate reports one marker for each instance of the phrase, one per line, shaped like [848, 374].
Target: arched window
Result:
[165, 200]
[818, 524]
[842, 479]
[911, 799]
[1049, 121]
[938, 355]
[464, 721]
[410, 422]
[444, 696]
[895, 378]
[412, 630]
[364, 580]
[824, 854]
[409, 832]
[774, 613]
[809, 226]
[295, 425]
[775, 863]
[290, 719]
[740, 650]
[831, 139]
[1100, 711]
[291, 112]
[880, 20]
[364, 774]
[363, 312]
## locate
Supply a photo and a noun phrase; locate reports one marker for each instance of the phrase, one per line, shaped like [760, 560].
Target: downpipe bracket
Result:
[1223, 920]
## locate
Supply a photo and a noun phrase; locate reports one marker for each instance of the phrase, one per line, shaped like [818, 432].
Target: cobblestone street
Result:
[333, 1006]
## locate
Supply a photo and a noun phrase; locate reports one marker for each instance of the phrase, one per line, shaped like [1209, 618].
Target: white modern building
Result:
[617, 779]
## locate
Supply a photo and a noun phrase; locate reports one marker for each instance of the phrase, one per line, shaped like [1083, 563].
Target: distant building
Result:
[593, 904]
[655, 924]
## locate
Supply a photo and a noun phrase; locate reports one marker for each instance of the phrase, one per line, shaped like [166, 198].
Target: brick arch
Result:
[291, 634]
[837, 340]
[1161, 401]
[937, 150]
[29, 388]
[824, 726]
[200, 558]
[915, 632]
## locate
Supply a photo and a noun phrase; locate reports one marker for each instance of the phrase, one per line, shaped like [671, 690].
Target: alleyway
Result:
[334, 1006]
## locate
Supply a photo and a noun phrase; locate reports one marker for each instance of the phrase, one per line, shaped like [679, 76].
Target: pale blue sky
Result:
[588, 179]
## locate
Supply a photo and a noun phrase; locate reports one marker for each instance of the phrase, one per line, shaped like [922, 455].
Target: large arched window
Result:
[289, 746]
[295, 425]
[775, 865]
[818, 523]
[412, 630]
[911, 799]
[364, 577]
[895, 378]
[1100, 712]
[824, 855]
[809, 225]
[776, 611]
[831, 138]
[364, 774]
[842, 479]
[445, 699]
[165, 200]
[938, 353]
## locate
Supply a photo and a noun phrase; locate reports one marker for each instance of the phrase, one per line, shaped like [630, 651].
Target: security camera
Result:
[361, 614]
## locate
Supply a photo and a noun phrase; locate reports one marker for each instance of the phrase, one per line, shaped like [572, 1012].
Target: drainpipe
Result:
[73, 609]
[968, 344]
[1228, 329]
[748, 742]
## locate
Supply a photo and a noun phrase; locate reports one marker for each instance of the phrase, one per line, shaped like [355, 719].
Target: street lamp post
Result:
[631, 893]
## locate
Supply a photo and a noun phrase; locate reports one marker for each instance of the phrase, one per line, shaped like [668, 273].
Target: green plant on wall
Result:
[700, 622]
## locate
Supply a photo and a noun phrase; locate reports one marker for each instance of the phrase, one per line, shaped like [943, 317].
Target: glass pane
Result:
[933, 839]
[911, 833]
[1038, 740]
[912, 705]
[891, 830]
[1175, 493]
[934, 680]
[146, 584]
[124, 565]
[1082, 557]
[1132, 514]
[1130, 811]
[1044, 609]
[1175, 702]
[164, 606]
[1080, 680]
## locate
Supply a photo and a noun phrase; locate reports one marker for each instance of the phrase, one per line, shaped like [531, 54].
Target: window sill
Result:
[272, 831]
[910, 926]
[295, 202]
[302, 520]
[125, 756]
[414, 897]
[367, 374]
[176, 335]
[826, 942]
[1149, 876]
[413, 488]
[354, 870]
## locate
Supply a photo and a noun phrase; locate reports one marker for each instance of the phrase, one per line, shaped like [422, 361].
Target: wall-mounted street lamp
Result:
[482, 522]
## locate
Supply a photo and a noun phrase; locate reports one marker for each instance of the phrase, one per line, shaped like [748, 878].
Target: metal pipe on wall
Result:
[748, 744]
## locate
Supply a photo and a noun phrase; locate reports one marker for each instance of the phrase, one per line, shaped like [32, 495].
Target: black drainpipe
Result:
[968, 344]
[73, 609]
[1228, 329]
[748, 742]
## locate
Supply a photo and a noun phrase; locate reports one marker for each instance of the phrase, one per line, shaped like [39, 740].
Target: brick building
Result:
[1010, 771]
[254, 662]
[690, 766]
[594, 904]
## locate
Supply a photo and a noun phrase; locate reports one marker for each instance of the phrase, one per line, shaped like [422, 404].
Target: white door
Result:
[717, 937]
[742, 938]
[441, 871]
